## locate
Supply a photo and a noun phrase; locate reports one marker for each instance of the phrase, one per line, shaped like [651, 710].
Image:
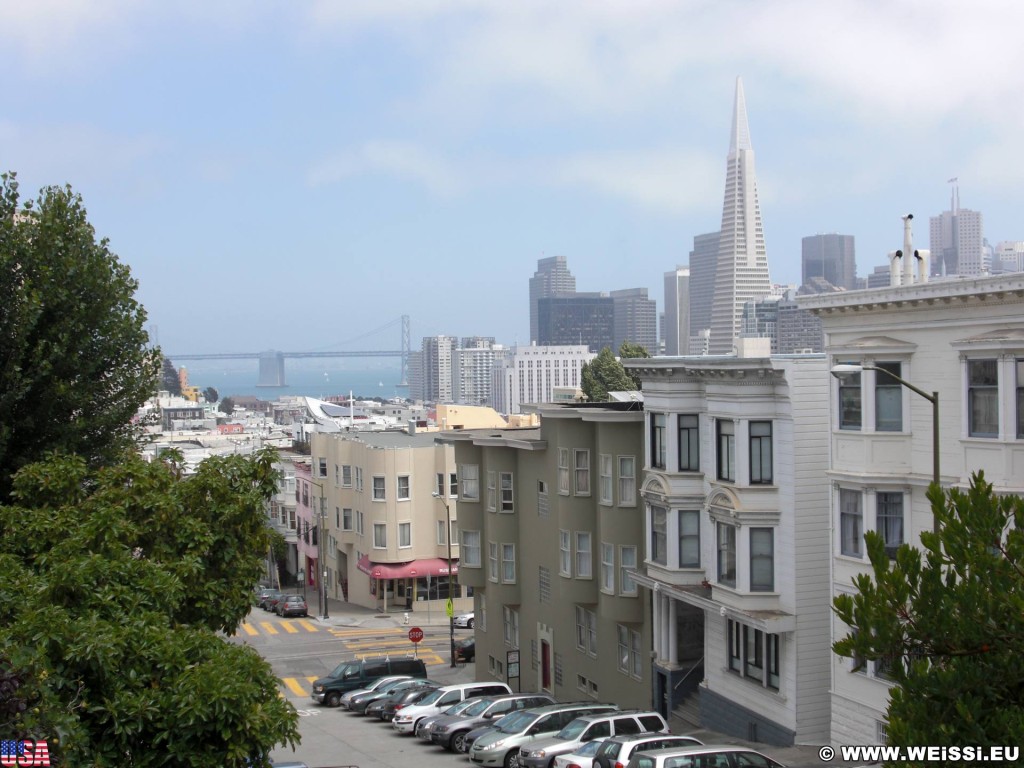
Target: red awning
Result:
[434, 566]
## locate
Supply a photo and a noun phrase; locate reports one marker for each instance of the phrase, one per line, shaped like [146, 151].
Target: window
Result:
[630, 662]
[727, 554]
[506, 492]
[470, 482]
[380, 536]
[564, 554]
[659, 535]
[623, 657]
[754, 654]
[359, 523]
[889, 520]
[378, 488]
[492, 493]
[605, 483]
[346, 519]
[888, 398]
[337, 475]
[607, 567]
[761, 453]
[762, 560]
[439, 484]
[689, 443]
[586, 630]
[441, 537]
[470, 549]
[405, 534]
[453, 485]
[689, 538]
[636, 661]
[849, 401]
[321, 466]
[1019, 365]
[627, 561]
[492, 560]
[584, 563]
[359, 479]
[627, 481]
[982, 398]
[508, 564]
[563, 471]
[726, 430]
[511, 626]
[582, 464]
[658, 440]
[851, 522]
[403, 488]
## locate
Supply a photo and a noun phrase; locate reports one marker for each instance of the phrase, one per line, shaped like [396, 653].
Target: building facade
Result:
[962, 339]
[676, 325]
[957, 241]
[736, 543]
[831, 258]
[472, 365]
[530, 375]
[435, 364]
[580, 319]
[552, 278]
[635, 319]
[741, 270]
[550, 527]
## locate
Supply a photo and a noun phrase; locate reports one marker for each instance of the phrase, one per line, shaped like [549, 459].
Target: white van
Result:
[406, 719]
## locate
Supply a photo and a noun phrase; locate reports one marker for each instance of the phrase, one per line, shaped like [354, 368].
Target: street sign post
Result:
[415, 635]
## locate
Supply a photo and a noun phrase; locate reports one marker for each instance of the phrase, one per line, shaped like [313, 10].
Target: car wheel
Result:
[512, 759]
[470, 623]
[457, 743]
[332, 699]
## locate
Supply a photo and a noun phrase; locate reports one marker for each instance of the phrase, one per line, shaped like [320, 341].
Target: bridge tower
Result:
[271, 369]
[406, 348]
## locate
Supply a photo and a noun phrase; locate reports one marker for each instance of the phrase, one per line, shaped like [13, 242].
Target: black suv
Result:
[351, 675]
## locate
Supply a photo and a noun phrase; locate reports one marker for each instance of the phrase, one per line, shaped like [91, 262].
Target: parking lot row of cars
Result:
[496, 728]
[282, 603]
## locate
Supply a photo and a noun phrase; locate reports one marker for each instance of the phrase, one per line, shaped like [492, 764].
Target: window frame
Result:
[492, 561]
[507, 554]
[850, 410]
[759, 558]
[627, 481]
[888, 396]
[607, 568]
[347, 519]
[689, 442]
[725, 452]
[658, 542]
[888, 519]
[851, 545]
[659, 447]
[762, 455]
[689, 536]
[627, 586]
[605, 479]
[406, 527]
[581, 471]
[974, 402]
[469, 479]
[564, 553]
[346, 472]
[379, 487]
[492, 492]
[408, 488]
[563, 472]
[469, 551]
[584, 555]
[382, 529]
[725, 547]
[506, 493]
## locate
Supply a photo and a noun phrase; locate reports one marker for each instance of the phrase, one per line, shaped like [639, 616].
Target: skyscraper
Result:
[958, 240]
[829, 257]
[552, 278]
[583, 318]
[635, 319]
[677, 311]
[741, 273]
[437, 368]
[703, 260]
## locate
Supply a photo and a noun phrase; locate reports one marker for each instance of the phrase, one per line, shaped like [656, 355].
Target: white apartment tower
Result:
[526, 375]
[742, 269]
[436, 361]
[677, 311]
[472, 364]
[958, 240]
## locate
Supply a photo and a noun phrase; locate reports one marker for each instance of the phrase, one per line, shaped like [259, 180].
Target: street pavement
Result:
[346, 615]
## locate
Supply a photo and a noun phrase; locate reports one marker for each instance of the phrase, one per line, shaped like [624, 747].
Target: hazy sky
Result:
[297, 175]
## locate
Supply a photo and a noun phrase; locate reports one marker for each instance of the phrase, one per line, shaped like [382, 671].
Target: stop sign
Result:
[415, 634]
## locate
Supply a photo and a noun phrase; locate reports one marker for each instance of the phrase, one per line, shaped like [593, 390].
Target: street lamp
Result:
[451, 613]
[843, 370]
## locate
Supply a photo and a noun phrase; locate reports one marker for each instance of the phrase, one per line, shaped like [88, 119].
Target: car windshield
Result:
[515, 722]
[572, 730]
[345, 669]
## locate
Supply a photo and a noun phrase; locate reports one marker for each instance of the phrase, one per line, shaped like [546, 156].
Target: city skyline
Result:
[293, 177]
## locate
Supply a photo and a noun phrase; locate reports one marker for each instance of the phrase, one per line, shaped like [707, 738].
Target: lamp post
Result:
[848, 369]
[451, 614]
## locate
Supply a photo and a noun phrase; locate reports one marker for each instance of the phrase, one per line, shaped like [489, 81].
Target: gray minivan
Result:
[359, 673]
[542, 753]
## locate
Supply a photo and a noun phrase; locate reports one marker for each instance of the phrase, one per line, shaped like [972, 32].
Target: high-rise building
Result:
[471, 366]
[703, 261]
[829, 257]
[635, 319]
[742, 270]
[760, 320]
[958, 241]
[1010, 255]
[526, 375]
[584, 318]
[799, 331]
[676, 326]
[437, 369]
[552, 278]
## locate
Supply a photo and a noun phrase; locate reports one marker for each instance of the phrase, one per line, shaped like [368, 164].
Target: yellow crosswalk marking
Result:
[268, 627]
[289, 628]
[307, 626]
[293, 686]
[249, 629]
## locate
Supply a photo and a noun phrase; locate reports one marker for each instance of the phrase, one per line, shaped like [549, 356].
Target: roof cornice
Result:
[996, 289]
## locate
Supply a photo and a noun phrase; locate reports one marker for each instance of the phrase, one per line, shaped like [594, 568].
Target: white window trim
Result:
[408, 527]
[398, 488]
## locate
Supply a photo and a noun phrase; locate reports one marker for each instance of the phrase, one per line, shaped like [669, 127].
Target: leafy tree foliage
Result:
[227, 405]
[627, 351]
[602, 375]
[950, 622]
[116, 585]
[211, 395]
[74, 362]
[169, 380]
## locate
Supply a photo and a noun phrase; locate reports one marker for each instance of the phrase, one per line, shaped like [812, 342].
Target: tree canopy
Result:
[169, 380]
[628, 350]
[947, 620]
[606, 374]
[74, 362]
[116, 585]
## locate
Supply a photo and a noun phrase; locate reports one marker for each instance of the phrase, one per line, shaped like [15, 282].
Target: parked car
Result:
[542, 753]
[391, 705]
[616, 751]
[266, 595]
[350, 675]
[291, 605]
[376, 685]
[464, 620]
[422, 730]
[582, 757]
[450, 732]
[725, 755]
[406, 720]
[499, 748]
[465, 649]
[359, 704]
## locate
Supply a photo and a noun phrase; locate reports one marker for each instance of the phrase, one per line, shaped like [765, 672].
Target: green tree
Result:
[948, 622]
[227, 405]
[211, 395]
[628, 351]
[117, 584]
[74, 361]
[602, 375]
[169, 380]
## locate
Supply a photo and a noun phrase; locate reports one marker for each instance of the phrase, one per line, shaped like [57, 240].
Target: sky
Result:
[297, 175]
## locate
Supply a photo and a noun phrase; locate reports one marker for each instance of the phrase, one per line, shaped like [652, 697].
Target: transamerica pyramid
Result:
[742, 269]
